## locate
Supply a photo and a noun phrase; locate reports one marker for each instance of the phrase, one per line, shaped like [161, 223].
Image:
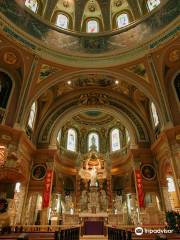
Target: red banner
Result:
[139, 188]
[47, 188]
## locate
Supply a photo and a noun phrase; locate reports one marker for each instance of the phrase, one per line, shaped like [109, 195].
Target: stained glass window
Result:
[152, 4]
[93, 141]
[92, 26]
[62, 21]
[32, 4]
[71, 140]
[115, 140]
[122, 20]
[154, 115]
[32, 116]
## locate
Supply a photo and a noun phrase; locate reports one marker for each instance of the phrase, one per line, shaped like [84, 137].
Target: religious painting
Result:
[148, 172]
[38, 172]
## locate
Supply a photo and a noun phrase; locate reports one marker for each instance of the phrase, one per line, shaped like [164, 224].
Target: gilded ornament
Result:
[174, 55]
[10, 58]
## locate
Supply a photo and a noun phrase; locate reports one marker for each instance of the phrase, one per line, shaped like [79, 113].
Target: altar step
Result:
[94, 237]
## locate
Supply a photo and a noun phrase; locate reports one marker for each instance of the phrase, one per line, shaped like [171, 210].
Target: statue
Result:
[103, 200]
[93, 173]
[84, 200]
[118, 203]
[93, 201]
[68, 203]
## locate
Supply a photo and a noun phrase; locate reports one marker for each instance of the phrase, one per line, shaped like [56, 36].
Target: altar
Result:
[93, 223]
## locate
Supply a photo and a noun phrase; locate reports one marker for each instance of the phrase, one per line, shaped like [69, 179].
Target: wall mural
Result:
[123, 41]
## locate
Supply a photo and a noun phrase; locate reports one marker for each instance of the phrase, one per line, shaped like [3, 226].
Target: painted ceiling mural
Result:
[136, 35]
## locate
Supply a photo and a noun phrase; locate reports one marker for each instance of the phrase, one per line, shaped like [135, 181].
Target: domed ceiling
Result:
[93, 118]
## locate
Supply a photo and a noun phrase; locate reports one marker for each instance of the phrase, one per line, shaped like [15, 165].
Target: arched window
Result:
[59, 136]
[32, 4]
[170, 183]
[177, 86]
[152, 4]
[155, 117]
[93, 141]
[115, 140]
[5, 89]
[17, 187]
[32, 116]
[71, 140]
[122, 20]
[92, 26]
[62, 21]
[172, 192]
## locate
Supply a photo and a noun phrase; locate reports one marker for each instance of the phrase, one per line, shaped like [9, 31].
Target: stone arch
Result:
[130, 119]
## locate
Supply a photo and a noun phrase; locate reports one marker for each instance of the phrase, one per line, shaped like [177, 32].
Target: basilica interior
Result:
[89, 114]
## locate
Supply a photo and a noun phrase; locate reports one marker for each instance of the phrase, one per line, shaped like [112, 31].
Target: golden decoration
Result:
[174, 55]
[10, 58]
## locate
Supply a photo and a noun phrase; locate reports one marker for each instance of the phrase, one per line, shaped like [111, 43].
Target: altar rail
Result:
[22, 232]
[38, 228]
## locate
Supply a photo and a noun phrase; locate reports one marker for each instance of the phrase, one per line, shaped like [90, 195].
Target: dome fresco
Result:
[138, 28]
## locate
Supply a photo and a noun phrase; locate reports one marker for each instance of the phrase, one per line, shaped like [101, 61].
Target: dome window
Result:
[92, 26]
[152, 4]
[122, 20]
[62, 21]
[32, 4]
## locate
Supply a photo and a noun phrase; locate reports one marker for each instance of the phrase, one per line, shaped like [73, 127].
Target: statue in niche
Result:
[103, 200]
[68, 203]
[84, 200]
[118, 203]
[93, 173]
[93, 201]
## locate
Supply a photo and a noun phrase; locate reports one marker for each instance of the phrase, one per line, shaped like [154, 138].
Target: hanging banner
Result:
[47, 188]
[139, 188]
